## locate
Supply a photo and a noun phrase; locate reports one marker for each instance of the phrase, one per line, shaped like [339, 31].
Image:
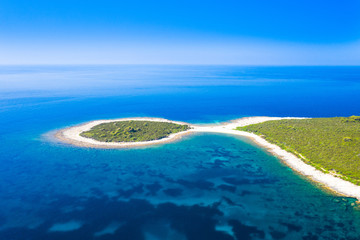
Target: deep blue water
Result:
[206, 186]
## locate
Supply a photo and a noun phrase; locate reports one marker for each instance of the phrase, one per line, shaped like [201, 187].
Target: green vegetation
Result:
[133, 131]
[329, 144]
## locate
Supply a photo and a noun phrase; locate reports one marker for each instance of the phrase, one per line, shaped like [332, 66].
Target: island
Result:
[124, 132]
[133, 131]
[325, 150]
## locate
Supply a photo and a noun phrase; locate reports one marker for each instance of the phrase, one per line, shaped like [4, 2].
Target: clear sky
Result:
[250, 32]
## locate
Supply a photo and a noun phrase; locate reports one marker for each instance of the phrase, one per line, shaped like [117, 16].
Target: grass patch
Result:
[329, 144]
[133, 131]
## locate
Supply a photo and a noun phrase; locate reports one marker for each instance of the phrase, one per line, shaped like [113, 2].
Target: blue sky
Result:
[252, 32]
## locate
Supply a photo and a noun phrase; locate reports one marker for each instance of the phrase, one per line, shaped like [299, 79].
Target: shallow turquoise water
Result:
[206, 186]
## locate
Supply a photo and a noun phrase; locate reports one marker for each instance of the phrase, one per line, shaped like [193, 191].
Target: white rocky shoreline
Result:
[72, 136]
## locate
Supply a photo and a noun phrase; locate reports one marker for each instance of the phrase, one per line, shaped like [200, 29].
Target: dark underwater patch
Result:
[173, 192]
[195, 222]
[2, 219]
[277, 234]
[226, 187]
[153, 188]
[128, 193]
[244, 232]
[199, 184]
[292, 227]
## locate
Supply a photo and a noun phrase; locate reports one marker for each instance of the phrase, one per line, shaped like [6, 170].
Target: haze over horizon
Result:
[256, 32]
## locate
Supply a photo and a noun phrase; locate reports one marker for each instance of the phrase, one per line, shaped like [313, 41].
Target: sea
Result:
[205, 186]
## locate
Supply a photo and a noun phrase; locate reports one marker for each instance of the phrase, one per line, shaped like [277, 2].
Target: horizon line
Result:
[179, 64]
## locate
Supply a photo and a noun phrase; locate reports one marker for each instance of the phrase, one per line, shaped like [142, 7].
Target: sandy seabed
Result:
[72, 136]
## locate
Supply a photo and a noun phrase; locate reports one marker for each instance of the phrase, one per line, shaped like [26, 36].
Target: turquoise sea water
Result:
[206, 186]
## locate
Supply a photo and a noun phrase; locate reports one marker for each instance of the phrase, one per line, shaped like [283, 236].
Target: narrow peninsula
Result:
[331, 145]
